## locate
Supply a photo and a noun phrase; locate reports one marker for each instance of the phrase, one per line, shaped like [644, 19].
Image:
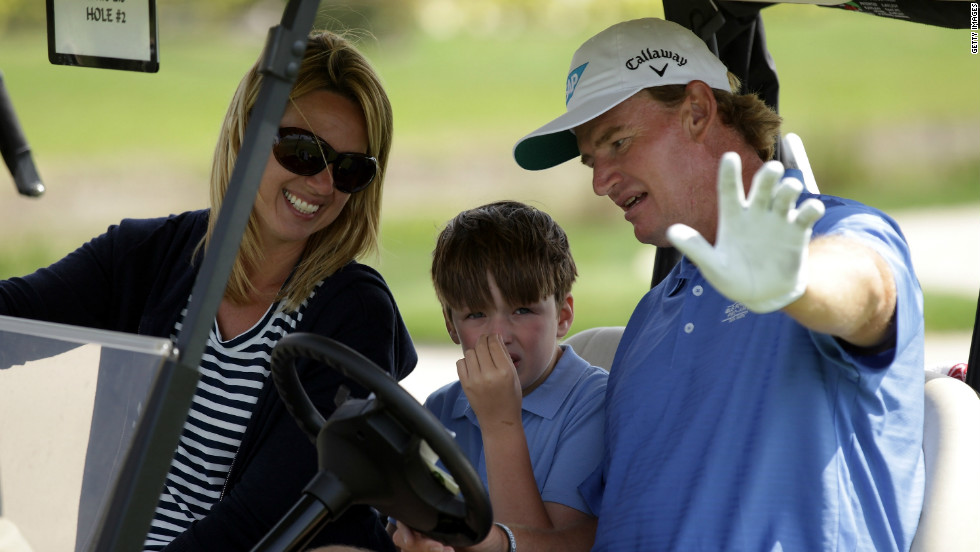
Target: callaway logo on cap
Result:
[609, 68]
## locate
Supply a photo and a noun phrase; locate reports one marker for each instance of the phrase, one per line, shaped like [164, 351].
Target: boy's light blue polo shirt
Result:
[563, 423]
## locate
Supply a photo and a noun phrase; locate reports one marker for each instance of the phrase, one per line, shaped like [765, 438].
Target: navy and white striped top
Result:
[233, 373]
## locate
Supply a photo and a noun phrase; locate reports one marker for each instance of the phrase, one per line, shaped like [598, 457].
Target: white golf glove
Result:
[759, 256]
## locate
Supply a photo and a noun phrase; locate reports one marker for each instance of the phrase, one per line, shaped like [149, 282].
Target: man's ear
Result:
[566, 314]
[700, 110]
[450, 327]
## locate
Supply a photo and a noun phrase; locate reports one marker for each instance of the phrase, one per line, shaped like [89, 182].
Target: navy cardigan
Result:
[136, 278]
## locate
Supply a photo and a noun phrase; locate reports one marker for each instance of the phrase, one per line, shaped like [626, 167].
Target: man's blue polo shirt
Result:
[729, 430]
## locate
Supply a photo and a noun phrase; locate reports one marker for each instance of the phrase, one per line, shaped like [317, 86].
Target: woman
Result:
[242, 460]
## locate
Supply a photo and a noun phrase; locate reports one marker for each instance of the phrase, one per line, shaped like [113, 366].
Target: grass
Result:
[614, 272]
[112, 116]
[887, 109]
[948, 313]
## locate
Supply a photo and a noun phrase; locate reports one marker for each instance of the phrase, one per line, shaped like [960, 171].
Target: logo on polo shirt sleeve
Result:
[574, 76]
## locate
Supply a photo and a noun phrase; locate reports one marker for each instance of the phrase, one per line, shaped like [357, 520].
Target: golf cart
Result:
[390, 426]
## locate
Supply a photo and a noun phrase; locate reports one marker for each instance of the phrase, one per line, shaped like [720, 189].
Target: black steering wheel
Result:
[375, 451]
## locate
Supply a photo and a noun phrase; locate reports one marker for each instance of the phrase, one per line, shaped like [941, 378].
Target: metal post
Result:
[973, 361]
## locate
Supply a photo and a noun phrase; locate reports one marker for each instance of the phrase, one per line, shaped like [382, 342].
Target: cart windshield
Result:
[70, 399]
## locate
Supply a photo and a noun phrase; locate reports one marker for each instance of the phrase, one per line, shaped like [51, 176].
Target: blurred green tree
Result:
[17, 14]
[380, 17]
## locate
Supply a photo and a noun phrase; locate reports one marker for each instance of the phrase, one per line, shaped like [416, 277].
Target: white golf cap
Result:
[613, 66]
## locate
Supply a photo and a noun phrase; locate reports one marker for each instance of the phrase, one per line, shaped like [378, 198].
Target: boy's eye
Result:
[474, 315]
[522, 310]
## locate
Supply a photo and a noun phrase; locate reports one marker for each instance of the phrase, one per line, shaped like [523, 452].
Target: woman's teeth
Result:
[299, 204]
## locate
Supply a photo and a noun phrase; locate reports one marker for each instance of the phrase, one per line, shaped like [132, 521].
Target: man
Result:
[767, 395]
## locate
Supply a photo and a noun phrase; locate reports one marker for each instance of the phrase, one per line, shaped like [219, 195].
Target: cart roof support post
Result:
[134, 497]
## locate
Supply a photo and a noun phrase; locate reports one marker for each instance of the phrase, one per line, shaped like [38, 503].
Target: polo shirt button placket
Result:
[697, 290]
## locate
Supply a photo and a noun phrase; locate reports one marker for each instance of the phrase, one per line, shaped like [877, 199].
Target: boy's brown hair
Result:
[522, 248]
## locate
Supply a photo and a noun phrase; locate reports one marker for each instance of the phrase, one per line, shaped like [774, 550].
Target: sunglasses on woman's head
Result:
[301, 152]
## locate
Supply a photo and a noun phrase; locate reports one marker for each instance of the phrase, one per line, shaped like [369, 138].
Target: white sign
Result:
[103, 33]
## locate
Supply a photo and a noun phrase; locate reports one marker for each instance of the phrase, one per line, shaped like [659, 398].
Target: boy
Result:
[527, 411]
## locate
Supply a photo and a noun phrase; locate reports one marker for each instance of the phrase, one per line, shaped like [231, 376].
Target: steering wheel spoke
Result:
[378, 451]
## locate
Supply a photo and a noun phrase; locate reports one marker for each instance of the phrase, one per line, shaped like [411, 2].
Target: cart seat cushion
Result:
[950, 519]
[597, 345]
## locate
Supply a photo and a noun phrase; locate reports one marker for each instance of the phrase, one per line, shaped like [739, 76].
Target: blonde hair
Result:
[330, 63]
[746, 113]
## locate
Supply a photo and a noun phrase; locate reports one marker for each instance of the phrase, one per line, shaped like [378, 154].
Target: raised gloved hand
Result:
[759, 256]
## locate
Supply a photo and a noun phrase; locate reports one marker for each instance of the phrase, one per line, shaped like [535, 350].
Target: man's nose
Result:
[604, 177]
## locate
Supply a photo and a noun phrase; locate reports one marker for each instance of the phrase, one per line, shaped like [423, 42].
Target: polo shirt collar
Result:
[546, 400]
[678, 277]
